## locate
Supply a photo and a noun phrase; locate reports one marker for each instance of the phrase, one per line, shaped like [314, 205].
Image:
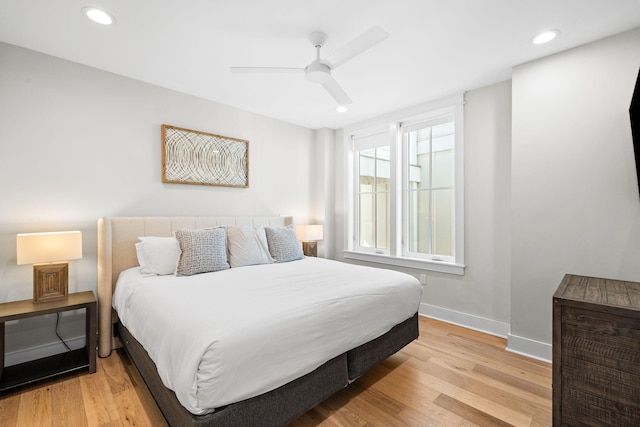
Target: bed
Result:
[250, 397]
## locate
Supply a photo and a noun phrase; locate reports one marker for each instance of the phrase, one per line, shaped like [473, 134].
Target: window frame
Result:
[396, 125]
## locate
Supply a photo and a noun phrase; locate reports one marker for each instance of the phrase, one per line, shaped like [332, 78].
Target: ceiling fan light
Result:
[317, 76]
[341, 109]
[317, 72]
[98, 15]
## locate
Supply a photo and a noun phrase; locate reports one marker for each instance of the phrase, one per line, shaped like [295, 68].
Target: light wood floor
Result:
[450, 376]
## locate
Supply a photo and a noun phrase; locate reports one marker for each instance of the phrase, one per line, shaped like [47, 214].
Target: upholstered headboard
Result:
[117, 237]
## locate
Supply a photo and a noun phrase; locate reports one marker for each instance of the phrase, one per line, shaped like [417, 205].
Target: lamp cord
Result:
[59, 337]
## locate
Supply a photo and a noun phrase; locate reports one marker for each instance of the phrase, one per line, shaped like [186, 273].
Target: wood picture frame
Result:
[194, 157]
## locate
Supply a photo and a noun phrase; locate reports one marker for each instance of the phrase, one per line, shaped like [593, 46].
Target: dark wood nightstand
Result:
[58, 364]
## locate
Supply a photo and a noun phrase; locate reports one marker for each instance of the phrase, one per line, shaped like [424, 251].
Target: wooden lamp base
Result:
[310, 248]
[50, 281]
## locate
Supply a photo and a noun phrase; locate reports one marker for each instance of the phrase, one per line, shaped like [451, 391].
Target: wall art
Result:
[193, 157]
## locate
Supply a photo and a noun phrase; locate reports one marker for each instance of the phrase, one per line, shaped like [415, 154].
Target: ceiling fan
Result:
[319, 70]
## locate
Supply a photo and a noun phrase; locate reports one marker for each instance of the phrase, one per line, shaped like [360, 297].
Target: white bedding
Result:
[222, 337]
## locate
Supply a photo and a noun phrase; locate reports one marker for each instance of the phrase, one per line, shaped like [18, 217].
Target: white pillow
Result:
[157, 255]
[247, 246]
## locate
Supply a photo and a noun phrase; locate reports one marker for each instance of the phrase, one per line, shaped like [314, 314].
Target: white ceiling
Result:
[436, 48]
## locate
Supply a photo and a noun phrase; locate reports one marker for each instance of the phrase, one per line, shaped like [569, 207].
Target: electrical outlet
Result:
[423, 279]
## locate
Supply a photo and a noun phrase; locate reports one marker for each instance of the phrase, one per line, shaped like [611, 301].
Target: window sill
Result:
[421, 264]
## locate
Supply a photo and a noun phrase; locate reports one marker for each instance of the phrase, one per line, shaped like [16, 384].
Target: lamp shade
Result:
[32, 248]
[309, 233]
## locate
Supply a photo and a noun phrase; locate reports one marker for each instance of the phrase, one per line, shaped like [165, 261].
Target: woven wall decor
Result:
[192, 157]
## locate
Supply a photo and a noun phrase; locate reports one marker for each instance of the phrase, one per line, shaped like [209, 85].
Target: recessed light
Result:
[341, 109]
[545, 36]
[98, 15]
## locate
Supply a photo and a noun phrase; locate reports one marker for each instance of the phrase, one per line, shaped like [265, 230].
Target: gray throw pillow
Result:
[202, 251]
[283, 245]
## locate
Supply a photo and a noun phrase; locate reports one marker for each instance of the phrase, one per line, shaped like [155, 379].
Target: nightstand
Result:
[58, 364]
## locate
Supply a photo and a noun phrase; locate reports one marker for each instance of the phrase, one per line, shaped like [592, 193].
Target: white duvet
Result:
[222, 337]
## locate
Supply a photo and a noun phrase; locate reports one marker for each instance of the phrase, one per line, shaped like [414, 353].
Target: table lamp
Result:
[49, 253]
[309, 236]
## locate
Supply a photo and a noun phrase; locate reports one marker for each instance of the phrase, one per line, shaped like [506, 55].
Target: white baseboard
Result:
[530, 348]
[515, 344]
[469, 321]
[45, 350]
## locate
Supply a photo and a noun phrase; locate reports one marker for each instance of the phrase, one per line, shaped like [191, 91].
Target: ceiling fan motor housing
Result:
[317, 72]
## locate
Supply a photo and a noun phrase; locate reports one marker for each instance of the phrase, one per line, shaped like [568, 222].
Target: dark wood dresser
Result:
[596, 352]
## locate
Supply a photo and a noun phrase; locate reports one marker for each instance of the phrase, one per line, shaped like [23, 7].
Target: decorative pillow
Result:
[157, 255]
[283, 245]
[202, 251]
[247, 246]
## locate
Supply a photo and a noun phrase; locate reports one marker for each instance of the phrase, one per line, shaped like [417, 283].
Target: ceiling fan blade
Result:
[334, 89]
[362, 43]
[265, 70]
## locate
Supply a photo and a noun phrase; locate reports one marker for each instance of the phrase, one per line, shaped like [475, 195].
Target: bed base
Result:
[284, 404]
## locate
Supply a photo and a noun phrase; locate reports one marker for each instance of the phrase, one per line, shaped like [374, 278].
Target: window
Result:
[430, 190]
[373, 192]
[406, 196]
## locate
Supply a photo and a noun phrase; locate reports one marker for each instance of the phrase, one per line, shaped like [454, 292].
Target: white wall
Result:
[481, 297]
[575, 198]
[78, 143]
[323, 179]
[550, 189]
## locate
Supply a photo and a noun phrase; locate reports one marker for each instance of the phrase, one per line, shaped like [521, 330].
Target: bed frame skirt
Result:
[284, 404]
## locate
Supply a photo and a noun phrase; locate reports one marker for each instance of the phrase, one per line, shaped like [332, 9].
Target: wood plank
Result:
[372, 405]
[575, 288]
[116, 375]
[593, 410]
[595, 291]
[65, 395]
[617, 293]
[416, 400]
[633, 289]
[131, 410]
[35, 408]
[508, 396]
[469, 413]
[485, 402]
[457, 348]
[99, 404]
[9, 408]
[514, 381]
[144, 395]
